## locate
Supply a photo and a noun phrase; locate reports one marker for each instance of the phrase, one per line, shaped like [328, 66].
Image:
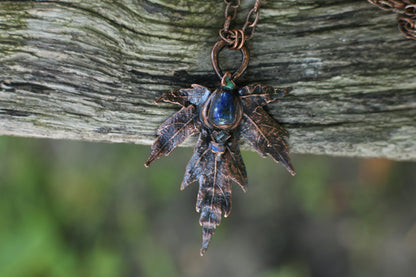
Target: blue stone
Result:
[223, 109]
[217, 147]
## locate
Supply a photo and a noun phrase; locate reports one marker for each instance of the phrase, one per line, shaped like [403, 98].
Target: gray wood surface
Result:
[90, 70]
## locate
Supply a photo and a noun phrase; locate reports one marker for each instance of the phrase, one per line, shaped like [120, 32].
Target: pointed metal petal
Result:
[206, 239]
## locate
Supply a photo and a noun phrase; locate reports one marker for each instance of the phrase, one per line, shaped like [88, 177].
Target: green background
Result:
[90, 209]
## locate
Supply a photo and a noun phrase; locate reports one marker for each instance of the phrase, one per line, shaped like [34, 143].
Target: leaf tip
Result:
[156, 101]
[206, 238]
[289, 167]
[183, 185]
[243, 186]
[149, 161]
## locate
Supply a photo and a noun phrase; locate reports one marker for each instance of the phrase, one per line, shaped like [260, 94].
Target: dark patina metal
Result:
[217, 161]
[221, 117]
[214, 59]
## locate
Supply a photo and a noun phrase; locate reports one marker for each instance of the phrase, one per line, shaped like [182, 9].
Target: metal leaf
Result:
[215, 173]
[186, 96]
[257, 94]
[216, 161]
[266, 136]
[174, 131]
[232, 157]
[237, 169]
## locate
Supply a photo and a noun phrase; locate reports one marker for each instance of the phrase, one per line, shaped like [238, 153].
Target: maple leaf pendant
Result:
[220, 117]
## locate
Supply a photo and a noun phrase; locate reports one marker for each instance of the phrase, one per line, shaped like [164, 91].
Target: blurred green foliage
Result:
[90, 209]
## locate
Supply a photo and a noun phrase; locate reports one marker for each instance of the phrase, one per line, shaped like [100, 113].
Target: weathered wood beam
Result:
[90, 70]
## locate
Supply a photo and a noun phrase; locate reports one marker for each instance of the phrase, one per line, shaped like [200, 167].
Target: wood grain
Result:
[90, 70]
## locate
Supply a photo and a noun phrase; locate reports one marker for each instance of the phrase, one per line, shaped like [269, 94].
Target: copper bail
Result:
[214, 59]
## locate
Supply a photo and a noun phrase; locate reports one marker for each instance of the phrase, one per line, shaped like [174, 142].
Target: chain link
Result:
[231, 13]
[407, 11]
[236, 38]
[407, 25]
[389, 5]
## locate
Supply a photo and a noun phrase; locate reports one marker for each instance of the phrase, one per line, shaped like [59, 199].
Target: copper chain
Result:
[407, 11]
[236, 38]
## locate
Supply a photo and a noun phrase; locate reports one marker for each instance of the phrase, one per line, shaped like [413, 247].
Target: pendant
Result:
[221, 117]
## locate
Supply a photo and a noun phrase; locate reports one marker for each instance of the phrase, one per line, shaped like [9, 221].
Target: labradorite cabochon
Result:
[223, 109]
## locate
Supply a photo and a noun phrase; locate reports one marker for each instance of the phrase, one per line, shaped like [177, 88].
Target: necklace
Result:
[220, 117]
